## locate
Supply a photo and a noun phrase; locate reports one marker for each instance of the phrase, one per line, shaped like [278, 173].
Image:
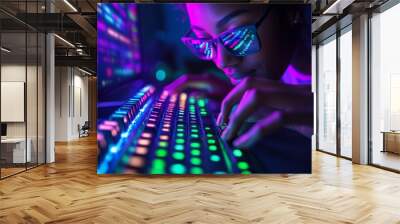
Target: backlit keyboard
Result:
[158, 133]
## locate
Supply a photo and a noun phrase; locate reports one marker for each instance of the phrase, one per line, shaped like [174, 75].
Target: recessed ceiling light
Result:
[84, 71]
[326, 11]
[70, 5]
[65, 41]
[5, 50]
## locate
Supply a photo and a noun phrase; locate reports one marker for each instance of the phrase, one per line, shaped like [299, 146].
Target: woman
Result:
[265, 51]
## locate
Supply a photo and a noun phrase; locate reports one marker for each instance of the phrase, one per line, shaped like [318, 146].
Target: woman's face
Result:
[209, 20]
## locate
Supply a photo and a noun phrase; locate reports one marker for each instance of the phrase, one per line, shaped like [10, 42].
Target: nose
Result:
[224, 59]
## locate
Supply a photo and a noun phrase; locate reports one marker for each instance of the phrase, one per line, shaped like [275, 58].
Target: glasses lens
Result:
[201, 48]
[241, 41]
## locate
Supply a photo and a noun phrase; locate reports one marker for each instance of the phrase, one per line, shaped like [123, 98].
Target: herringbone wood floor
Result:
[69, 191]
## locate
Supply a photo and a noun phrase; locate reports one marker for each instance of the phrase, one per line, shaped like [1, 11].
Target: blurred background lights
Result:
[161, 75]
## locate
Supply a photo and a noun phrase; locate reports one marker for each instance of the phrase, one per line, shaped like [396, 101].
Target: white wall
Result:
[11, 73]
[81, 89]
[61, 103]
[33, 127]
[71, 94]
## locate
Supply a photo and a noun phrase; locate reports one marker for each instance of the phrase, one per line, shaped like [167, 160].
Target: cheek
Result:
[253, 61]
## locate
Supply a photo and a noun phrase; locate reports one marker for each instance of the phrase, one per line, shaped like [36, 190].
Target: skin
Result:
[262, 64]
[256, 77]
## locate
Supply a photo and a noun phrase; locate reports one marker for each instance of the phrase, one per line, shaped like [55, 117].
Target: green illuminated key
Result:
[161, 153]
[194, 135]
[210, 135]
[215, 158]
[211, 141]
[195, 152]
[195, 161]
[212, 148]
[179, 129]
[179, 147]
[194, 145]
[178, 169]
[195, 131]
[196, 170]
[178, 155]
[158, 164]
[163, 144]
[201, 102]
[179, 134]
[180, 140]
[243, 165]
[155, 171]
[246, 172]
[158, 167]
[237, 153]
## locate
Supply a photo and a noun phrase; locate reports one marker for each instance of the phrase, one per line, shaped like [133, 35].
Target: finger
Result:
[246, 107]
[233, 98]
[259, 130]
[219, 119]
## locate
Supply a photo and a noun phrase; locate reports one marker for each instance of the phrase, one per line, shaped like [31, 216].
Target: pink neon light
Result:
[118, 36]
[293, 76]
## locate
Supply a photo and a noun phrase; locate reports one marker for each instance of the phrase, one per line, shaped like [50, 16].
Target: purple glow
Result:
[118, 36]
[101, 26]
[292, 76]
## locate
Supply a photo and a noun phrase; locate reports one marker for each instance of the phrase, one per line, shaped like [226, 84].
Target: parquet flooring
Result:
[69, 191]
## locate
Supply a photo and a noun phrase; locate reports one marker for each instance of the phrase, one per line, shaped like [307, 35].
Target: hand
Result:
[290, 104]
[206, 82]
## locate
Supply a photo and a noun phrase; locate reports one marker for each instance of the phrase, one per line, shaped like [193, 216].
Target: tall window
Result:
[385, 88]
[327, 95]
[346, 92]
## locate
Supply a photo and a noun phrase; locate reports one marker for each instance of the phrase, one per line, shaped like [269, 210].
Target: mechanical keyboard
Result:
[159, 133]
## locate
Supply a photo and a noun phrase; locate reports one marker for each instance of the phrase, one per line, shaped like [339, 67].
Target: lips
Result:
[235, 75]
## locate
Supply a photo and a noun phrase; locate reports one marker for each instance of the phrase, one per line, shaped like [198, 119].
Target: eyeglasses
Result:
[240, 41]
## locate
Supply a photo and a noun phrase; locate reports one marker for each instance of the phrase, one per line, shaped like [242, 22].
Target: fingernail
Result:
[237, 143]
[224, 134]
[219, 119]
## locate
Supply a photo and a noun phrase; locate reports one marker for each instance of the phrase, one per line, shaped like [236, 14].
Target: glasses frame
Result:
[218, 39]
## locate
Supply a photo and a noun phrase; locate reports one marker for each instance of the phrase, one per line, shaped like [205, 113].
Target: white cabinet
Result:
[17, 146]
